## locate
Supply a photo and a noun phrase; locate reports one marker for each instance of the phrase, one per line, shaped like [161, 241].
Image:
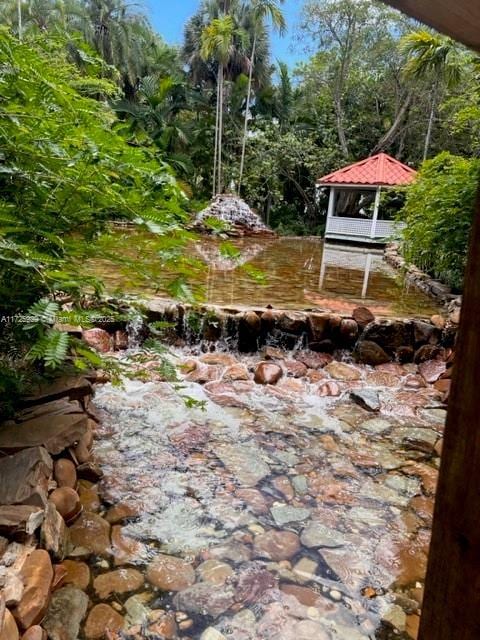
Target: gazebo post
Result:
[331, 205]
[376, 208]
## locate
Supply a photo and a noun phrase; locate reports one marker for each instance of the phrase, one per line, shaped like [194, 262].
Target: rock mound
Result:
[239, 219]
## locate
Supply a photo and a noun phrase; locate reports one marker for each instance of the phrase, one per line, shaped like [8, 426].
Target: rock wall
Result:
[235, 214]
[369, 340]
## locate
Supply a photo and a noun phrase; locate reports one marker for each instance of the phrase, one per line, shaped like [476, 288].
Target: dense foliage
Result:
[438, 216]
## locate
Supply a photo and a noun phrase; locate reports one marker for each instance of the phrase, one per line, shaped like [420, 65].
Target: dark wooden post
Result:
[451, 608]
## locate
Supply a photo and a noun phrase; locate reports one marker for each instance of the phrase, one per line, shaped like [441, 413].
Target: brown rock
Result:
[169, 573]
[267, 373]
[327, 389]
[55, 433]
[117, 582]
[54, 534]
[120, 340]
[66, 501]
[276, 545]
[92, 533]
[102, 618]
[73, 388]
[89, 498]
[214, 571]
[34, 633]
[342, 371]
[121, 512]
[318, 326]
[89, 471]
[423, 507]
[314, 375]
[431, 370]
[438, 321]
[292, 322]
[22, 518]
[236, 372]
[77, 574]
[164, 626]
[24, 477]
[428, 352]
[272, 353]
[9, 629]
[65, 473]
[295, 368]
[348, 330]
[125, 550]
[363, 316]
[254, 499]
[304, 595]
[282, 484]
[369, 352]
[313, 360]
[37, 575]
[98, 339]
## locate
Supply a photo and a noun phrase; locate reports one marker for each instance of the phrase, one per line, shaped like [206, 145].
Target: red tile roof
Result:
[377, 170]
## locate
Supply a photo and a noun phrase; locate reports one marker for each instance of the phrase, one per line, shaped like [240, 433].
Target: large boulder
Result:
[67, 609]
[37, 575]
[235, 214]
[54, 432]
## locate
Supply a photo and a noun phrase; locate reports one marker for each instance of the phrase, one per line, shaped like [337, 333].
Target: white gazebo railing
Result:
[358, 228]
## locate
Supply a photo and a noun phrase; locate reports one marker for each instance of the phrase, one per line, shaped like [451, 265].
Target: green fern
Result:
[51, 349]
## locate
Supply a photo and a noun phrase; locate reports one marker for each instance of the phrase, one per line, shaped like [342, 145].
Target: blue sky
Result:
[169, 17]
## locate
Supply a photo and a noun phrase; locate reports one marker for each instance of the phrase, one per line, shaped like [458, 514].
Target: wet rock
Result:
[24, 477]
[65, 473]
[89, 496]
[34, 633]
[66, 501]
[204, 373]
[89, 471]
[126, 550]
[98, 339]
[92, 533]
[165, 627]
[376, 426]
[396, 617]
[66, 611]
[308, 629]
[428, 352]
[305, 569]
[267, 373]
[77, 574]
[328, 389]
[225, 395]
[205, 599]
[342, 371]
[283, 514]
[212, 634]
[368, 399]
[368, 352]
[318, 535]
[169, 573]
[249, 327]
[405, 354]
[416, 438]
[73, 388]
[389, 334]
[102, 618]
[272, 353]
[431, 370]
[348, 331]
[254, 499]
[253, 581]
[53, 533]
[276, 545]
[363, 316]
[8, 629]
[304, 595]
[244, 461]
[37, 575]
[295, 368]
[117, 582]
[382, 379]
[314, 360]
[188, 436]
[318, 326]
[214, 571]
[424, 332]
[120, 340]
[282, 484]
[292, 322]
[54, 432]
[121, 512]
[236, 372]
[217, 358]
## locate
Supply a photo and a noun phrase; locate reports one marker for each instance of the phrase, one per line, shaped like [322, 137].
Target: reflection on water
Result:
[299, 273]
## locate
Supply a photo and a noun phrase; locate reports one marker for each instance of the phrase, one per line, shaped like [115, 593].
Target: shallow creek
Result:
[283, 511]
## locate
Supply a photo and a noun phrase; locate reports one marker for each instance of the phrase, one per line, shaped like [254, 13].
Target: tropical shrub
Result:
[438, 214]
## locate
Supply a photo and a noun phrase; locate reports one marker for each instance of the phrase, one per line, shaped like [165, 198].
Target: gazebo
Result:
[355, 212]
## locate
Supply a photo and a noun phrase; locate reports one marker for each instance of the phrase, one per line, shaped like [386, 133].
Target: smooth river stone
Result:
[283, 514]
[342, 371]
[276, 545]
[37, 575]
[169, 573]
[214, 571]
[318, 535]
[67, 609]
[92, 533]
[117, 582]
[100, 619]
[244, 461]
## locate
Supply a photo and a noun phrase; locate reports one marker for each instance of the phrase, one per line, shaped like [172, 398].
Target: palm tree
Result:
[260, 9]
[436, 58]
[217, 43]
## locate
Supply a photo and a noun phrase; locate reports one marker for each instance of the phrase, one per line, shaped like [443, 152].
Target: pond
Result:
[298, 273]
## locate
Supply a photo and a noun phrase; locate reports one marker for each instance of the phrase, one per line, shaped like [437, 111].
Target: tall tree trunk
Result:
[215, 153]
[431, 119]
[20, 25]
[220, 130]
[387, 139]
[339, 117]
[247, 111]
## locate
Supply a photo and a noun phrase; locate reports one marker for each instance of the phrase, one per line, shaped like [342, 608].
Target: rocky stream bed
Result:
[276, 495]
